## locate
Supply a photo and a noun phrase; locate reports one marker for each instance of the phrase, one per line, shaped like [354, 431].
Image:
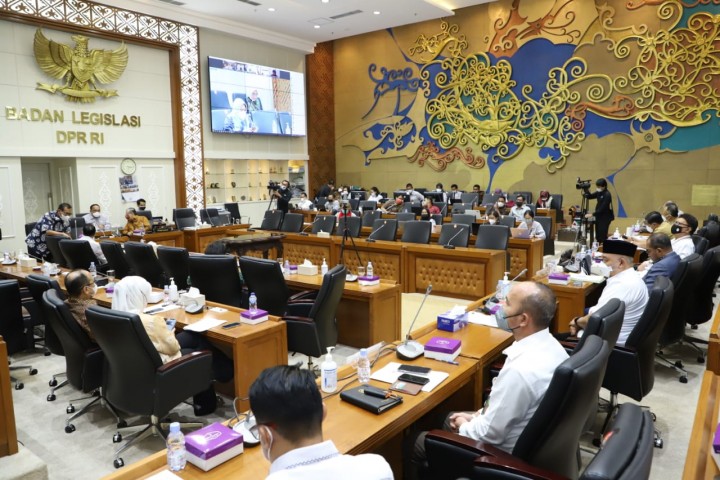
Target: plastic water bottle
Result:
[176, 454]
[363, 368]
[286, 267]
[166, 294]
[252, 302]
[92, 269]
[369, 270]
[324, 267]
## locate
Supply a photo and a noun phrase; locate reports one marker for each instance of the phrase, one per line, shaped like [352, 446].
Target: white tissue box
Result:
[323, 235]
[191, 298]
[155, 297]
[28, 262]
[307, 270]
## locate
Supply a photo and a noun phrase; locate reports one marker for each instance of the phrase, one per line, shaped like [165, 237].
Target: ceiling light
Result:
[376, 12]
[271, 9]
[325, 1]
[316, 26]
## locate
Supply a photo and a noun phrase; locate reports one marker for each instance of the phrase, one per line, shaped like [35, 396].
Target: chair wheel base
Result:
[679, 364]
[51, 398]
[597, 442]
[683, 379]
[47, 353]
[70, 409]
[69, 428]
[658, 443]
[52, 382]
[33, 371]
[19, 386]
[122, 424]
[118, 463]
[117, 438]
[701, 359]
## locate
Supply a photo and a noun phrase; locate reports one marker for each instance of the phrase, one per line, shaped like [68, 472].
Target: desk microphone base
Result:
[410, 350]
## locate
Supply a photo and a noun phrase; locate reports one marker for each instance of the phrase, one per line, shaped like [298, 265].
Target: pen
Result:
[451, 362]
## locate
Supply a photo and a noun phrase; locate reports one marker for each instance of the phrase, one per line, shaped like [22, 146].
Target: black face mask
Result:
[675, 229]
[424, 217]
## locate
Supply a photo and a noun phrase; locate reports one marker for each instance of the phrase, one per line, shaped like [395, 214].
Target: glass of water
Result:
[360, 271]
[111, 276]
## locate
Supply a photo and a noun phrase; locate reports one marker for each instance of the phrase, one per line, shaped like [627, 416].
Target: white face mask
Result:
[649, 228]
[598, 190]
[409, 192]
[501, 204]
[65, 218]
[283, 187]
[438, 189]
[96, 214]
[95, 288]
[528, 221]
[492, 221]
[266, 452]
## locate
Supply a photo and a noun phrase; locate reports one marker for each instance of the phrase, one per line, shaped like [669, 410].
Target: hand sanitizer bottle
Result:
[173, 293]
[324, 267]
[328, 373]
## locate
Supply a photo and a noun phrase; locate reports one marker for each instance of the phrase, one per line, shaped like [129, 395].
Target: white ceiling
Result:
[292, 24]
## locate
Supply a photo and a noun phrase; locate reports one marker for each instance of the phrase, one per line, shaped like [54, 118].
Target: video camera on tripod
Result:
[583, 184]
[273, 185]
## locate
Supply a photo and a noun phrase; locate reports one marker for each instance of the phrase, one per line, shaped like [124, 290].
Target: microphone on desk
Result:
[410, 349]
[449, 245]
[492, 301]
[303, 232]
[370, 239]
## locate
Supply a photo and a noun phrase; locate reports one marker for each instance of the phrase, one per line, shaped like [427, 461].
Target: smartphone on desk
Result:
[170, 322]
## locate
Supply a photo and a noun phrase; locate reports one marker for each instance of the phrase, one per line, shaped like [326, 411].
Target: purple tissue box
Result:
[716, 440]
[369, 279]
[558, 276]
[212, 445]
[451, 323]
[253, 318]
[441, 348]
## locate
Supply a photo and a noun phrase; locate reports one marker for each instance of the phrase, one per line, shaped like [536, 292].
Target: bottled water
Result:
[92, 269]
[166, 294]
[176, 454]
[363, 368]
[252, 302]
[286, 267]
[369, 269]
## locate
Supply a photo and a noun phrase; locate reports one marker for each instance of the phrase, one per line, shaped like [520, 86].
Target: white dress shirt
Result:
[519, 212]
[517, 390]
[536, 230]
[415, 196]
[99, 223]
[323, 461]
[683, 246]
[305, 204]
[95, 248]
[630, 288]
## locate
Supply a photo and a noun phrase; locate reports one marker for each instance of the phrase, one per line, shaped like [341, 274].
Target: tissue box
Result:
[192, 298]
[253, 318]
[210, 446]
[716, 440]
[28, 262]
[323, 234]
[558, 278]
[307, 270]
[293, 270]
[369, 281]
[441, 348]
[450, 322]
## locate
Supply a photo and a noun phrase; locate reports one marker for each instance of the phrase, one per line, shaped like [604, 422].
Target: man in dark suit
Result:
[283, 196]
[663, 261]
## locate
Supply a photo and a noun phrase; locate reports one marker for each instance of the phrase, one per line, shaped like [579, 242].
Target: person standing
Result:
[283, 196]
[54, 224]
[604, 213]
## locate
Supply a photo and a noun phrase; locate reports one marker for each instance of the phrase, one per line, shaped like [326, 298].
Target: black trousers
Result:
[602, 225]
[417, 467]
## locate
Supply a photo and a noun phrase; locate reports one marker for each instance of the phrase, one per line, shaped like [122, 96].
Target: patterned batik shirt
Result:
[37, 246]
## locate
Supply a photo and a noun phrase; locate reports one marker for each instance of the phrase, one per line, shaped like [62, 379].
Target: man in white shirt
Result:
[415, 196]
[289, 412]
[96, 218]
[683, 228]
[624, 284]
[518, 389]
[304, 203]
[518, 211]
[89, 236]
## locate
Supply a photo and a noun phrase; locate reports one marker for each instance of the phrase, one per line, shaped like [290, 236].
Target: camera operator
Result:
[603, 209]
[283, 196]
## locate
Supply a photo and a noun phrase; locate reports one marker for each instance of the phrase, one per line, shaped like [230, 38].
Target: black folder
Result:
[372, 403]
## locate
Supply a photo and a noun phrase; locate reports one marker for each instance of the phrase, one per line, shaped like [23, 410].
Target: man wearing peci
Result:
[55, 224]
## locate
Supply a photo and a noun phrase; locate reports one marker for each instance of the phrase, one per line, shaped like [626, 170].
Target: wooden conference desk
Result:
[354, 430]
[8, 432]
[713, 352]
[699, 464]
[198, 240]
[572, 302]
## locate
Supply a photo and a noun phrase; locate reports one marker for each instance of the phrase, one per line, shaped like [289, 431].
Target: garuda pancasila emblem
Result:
[81, 68]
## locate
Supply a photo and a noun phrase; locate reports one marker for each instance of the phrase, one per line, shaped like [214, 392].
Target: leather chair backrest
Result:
[132, 360]
[491, 198]
[417, 231]
[384, 229]
[234, 210]
[325, 223]
[457, 209]
[265, 279]
[472, 198]
[557, 204]
[528, 197]
[438, 218]
[702, 307]
[184, 217]
[75, 342]
[354, 203]
[494, 237]
[325, 306]
[217, 277]
[147, 214]
[550, 440]
[549, 245]
[405, 217]
[174, 261]
[292, 223]
[76, 227]
[145, 263]
[320, 202]
[354, 225]
[368, 218]
[12, 328]
[78, 253]
[115, 255]
[462, 219]
[685, 279]
[605, 322]
[368, 205]
[455, 234]
[272, 220]
[508, 221]
[53, 244]
[211, 216]
[37, 285]
[29, 227]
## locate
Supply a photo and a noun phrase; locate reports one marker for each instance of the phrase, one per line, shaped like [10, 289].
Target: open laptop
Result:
[520, 232]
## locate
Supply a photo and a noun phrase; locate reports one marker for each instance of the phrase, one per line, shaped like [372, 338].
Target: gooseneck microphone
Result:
[303, 232]
[370, 239]
[448, 244]
[411, 349]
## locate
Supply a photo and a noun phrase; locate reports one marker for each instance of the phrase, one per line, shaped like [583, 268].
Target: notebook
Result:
[375, 403]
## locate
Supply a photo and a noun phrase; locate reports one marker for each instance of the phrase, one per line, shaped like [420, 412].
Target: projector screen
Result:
[255, 100]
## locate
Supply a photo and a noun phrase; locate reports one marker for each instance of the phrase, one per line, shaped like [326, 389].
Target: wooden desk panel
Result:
[713, 352]
[525, 253]
[572, 302]
[174, 238]
[386, 257]
[699, 464]
[198, 240]
[297, 248]
[8, 432]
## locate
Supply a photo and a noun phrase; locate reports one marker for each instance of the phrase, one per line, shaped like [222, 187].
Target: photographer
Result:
[603, 209]
[283, 195]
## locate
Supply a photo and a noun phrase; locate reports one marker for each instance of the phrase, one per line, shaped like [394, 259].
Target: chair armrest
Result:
[298, 319]
[303, 296]
[182, 378]
[299, 309]
[458, 441]
[185, 359]
[485, 466]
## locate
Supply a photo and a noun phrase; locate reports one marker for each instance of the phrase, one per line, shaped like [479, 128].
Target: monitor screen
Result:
[255, 100]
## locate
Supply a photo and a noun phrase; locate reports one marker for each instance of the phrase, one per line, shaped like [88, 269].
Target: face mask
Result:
[266, 452]
[492, 221]
[96, 214]
[409, 192]
[675, 229]
[141, 208]
[501, 319]
[598, 190]
[519, 203]
[501, 204]
[528, 221]
[94, 287]
[65, 218]
[438, 189]
[424, 217]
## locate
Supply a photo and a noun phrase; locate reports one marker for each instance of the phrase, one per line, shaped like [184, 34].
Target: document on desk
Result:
[164, 475]
[390, 373]
[204, 325]
[479, 318]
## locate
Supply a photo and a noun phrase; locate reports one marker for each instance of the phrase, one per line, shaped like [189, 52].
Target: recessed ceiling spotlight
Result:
[376, 12]
[271, 9]
[325, 1]
[316, 26]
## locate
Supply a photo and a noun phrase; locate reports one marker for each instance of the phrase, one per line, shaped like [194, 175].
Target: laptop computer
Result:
[520, 232]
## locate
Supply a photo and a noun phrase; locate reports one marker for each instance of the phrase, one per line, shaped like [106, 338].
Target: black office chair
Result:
[605, 323]
[136, 380]
[685, 280]
[320, 202]
[549, 244]
[631, 368]
[354, 225]
[272, 220]
[443, 208]
[701, 244]
[76, 227]
[368, 218]
[234, 210]
[311, 325]
[174, 261]
[217, 277]
[324, 223]
[416, 231]
[184, 217]
[142, 259]
[37, 285]
[266, 280]
[463, 219]
[527, 195]
[550, 439]
[700, 310]
[84, 361]
[56, 255]
[115, 256]
[625, 455]
[508, 221]
[210, 216]
[493, 237]
[383, 229]
[368, 205]
[455, 234]
[405, 217]
[354, 203]
[557, 204]
[29, 227]
[437, 218]
[472, 198]
[79, 254]
[292, 223]
[15, 328]
[458, 209]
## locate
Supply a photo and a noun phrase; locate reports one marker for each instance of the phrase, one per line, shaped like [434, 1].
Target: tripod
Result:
[582, 233]
[346, 235]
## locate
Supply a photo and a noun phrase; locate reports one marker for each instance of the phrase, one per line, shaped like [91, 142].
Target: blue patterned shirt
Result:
[37, 246]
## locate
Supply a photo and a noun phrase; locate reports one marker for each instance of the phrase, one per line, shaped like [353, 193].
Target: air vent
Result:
[172, 2]
[346, 14]
[250, 2]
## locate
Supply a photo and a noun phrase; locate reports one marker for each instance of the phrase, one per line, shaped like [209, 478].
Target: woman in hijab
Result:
[544, 200]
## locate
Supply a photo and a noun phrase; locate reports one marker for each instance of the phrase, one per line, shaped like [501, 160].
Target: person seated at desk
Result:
[476, 189]
[663, 261]
[670, 213]
[683, 228]
[653, 220]
[415, 196]
[439, 189]
[239, 120]
[134, 222]
[289, 412]
[493, 217]
[519, 209]
[130, 295]
[55, 223]
[305, 203]
[624, 284]
[81, 289]
[711, 231]
[427, 217]
[89, 236]
[499, 207]
[332, 205]
[141, 204]
[536, 230]
[518, 389]
[454, 193]
[431, 207]
[393, 206]
[96, 218]
[544, 200]
[375, 195]
[254, 102]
